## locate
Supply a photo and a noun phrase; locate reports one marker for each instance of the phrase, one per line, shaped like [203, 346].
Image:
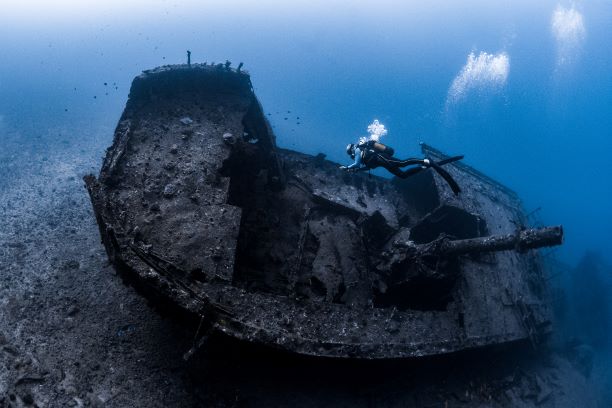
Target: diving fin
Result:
[447, 177]
[449, 160]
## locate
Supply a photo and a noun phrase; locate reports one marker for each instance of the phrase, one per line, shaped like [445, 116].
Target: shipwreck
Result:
[204, 215]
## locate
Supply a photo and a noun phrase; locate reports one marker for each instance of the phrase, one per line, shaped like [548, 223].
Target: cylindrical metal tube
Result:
[521, 241]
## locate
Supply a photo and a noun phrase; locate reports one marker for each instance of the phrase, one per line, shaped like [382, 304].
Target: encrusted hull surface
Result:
[202, 213]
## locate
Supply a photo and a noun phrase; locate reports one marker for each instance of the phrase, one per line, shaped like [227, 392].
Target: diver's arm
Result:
[357, 163]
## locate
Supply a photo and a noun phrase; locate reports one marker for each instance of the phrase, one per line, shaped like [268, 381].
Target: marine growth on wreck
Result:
[202, 213]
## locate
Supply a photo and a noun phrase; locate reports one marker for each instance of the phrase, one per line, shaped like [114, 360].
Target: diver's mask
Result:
[350, 150]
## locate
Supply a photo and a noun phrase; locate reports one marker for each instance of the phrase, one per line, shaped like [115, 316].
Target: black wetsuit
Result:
[372, 159]
[368, 157]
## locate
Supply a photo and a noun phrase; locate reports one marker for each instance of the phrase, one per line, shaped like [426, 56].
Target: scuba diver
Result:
[370, 154]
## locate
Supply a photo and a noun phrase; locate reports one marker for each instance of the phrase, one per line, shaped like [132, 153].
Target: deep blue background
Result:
[338, 65]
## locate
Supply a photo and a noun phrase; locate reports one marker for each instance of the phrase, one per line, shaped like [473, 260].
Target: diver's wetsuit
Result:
[367, 157]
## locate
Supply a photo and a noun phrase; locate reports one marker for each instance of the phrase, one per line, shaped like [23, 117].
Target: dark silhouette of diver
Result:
[372, 154]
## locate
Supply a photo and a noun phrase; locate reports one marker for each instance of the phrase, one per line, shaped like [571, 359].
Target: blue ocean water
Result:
[522, 89]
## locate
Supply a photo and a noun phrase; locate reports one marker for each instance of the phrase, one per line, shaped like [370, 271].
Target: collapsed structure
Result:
[202, 213]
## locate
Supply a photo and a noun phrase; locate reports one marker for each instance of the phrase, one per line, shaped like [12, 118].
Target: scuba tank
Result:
[378, 147]
[371, 149]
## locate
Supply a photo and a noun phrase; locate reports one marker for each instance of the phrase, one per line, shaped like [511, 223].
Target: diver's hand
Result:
[348, 169]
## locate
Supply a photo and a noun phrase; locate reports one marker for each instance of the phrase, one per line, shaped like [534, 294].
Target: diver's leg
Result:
[392, 164]
[406, 162]
[394, 169]
[406, 173]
